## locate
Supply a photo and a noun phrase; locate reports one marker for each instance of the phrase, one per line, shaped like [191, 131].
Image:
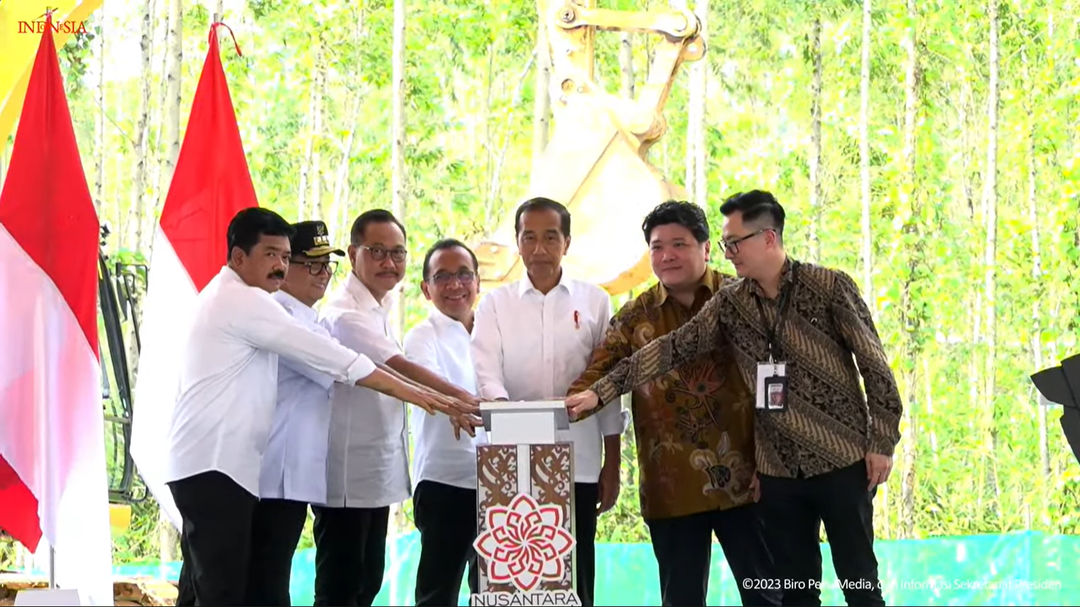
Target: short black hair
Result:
[356, 235]
[447, 243]
[250, 224]
[540, 203]
[686, 214]
[754, 205]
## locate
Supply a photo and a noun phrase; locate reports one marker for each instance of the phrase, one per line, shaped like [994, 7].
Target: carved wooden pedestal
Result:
[525, 545]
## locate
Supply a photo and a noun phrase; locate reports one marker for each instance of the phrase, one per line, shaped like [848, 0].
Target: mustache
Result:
[277, 274]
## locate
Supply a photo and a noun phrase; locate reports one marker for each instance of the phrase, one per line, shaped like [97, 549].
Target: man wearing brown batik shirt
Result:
[822, 454]
[694, 425]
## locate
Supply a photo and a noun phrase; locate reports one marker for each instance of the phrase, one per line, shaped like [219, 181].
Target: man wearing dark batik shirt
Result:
[821, 456]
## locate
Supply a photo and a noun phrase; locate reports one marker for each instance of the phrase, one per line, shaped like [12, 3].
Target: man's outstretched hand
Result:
[581, 403]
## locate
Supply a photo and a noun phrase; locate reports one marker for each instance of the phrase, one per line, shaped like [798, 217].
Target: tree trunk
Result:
[864, 158]
[137, 211]
[990, 251]
[174, 54]
[699, 74]
[815, 143]
[399, 200]
[542, 101]
[626, 66]
[315, 175]
[303, 191]
[397, 126]
[928, 398]
[911, 326]
[99, 126]
[1036, 255]
[397, 161]
[336, 216]
[495, 185]
[338, 219]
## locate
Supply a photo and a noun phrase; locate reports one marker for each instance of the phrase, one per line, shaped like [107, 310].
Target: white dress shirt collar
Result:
[297, 308]
[525, 283]
[439, 319]
[363, 296]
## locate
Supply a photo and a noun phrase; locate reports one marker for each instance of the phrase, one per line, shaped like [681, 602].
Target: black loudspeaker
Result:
[1061, 385]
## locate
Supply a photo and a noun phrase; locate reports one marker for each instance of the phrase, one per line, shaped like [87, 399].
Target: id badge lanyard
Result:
[772, 342]
[772, 388]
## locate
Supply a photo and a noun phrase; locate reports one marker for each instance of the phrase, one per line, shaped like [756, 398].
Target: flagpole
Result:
[52, 566]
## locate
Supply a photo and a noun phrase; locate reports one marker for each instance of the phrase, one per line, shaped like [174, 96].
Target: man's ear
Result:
[774, 236]
[351, 251]
[708, 250]
[566, 247]
[424, 289]
[236, 256]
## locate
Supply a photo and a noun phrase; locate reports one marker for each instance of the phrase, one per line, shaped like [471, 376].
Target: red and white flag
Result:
[53, 482]
[210, 185]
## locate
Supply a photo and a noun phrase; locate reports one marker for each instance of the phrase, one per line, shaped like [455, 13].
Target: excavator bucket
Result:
[593, 168]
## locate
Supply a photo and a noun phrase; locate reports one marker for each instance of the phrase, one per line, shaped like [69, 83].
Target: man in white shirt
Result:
[226, 395]
[367, 462]
[293, 471]
[531, 341]
[444, 465]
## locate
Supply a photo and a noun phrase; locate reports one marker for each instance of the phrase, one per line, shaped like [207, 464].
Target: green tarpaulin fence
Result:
[1028, 568]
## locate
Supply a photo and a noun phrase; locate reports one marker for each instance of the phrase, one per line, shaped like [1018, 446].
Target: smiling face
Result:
[302, 284]
[265, 265]
[452, 283]
[678, 259]
[373, 259]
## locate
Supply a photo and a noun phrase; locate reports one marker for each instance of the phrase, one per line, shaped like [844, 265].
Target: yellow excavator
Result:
[595, 162]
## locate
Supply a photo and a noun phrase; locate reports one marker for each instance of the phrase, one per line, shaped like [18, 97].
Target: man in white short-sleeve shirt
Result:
[444, 465]
[367, 461]
[532, 339]
[226, 396]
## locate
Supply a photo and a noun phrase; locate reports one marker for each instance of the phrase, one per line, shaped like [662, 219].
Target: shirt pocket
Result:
[581, 335]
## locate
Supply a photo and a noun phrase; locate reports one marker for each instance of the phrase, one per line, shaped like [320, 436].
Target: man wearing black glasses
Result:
[367, 462]
[293, 472]
[804, 339]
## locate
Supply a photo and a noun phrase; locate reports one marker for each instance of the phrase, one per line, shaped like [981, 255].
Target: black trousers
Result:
[350, 554]
[446, 518]
[793, 510]
[215, 538]
[683, 549]
[185, 587]
[585, 498]
[275, 531]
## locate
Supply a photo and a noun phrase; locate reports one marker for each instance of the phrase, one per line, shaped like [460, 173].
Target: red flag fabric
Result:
[52, 443]
[210, 185]
[212, 181]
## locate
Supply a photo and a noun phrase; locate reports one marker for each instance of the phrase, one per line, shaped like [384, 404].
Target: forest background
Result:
[931, 149]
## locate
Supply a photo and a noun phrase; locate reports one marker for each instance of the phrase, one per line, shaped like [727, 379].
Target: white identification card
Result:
[772, 386]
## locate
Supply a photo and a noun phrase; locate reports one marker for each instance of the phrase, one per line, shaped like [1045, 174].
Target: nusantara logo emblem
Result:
[524, 543]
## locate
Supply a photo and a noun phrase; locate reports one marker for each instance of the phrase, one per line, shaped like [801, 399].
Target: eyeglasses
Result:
[733, 244]
[317, 267]
[379, 253]
[444, 278]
